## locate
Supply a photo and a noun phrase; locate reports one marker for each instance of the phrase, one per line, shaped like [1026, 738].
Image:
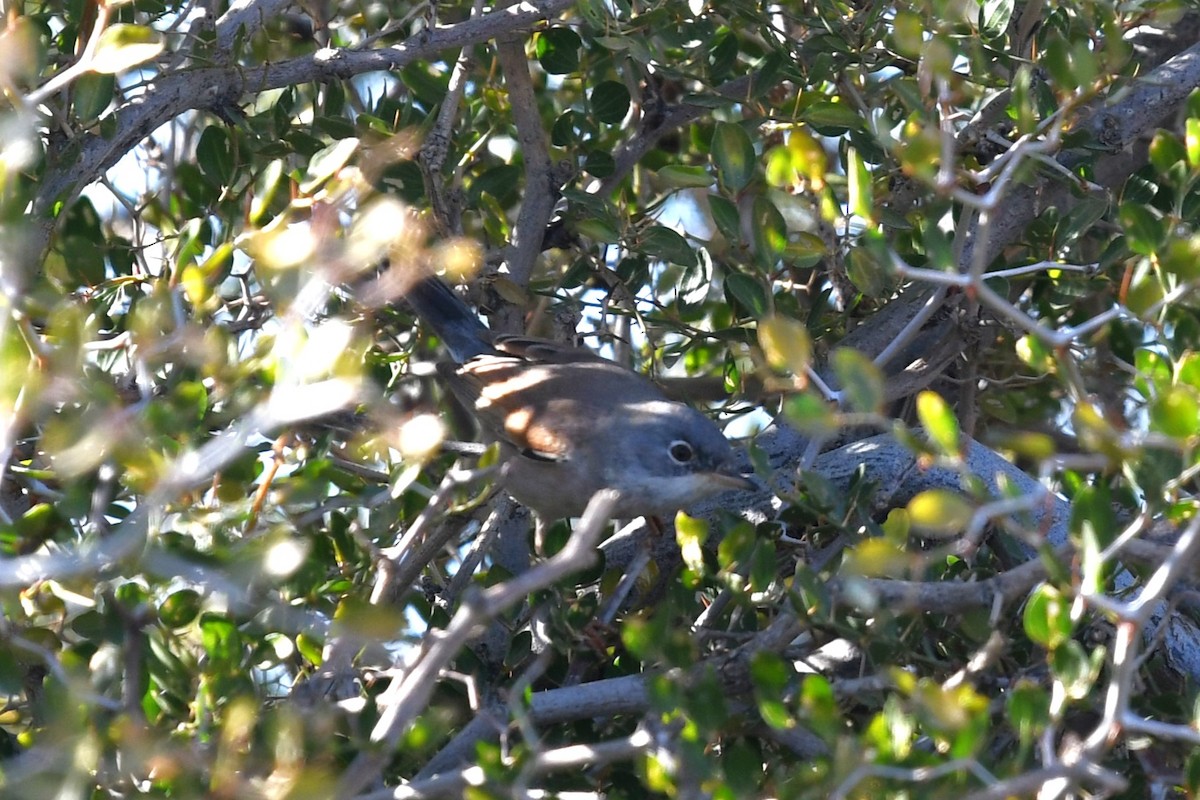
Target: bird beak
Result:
[727, 478]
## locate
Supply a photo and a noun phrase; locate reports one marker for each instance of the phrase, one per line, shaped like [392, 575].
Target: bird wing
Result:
[534, 350]
[542, 406]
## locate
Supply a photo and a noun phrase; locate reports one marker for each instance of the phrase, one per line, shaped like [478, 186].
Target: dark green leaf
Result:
[770, 232]
[600, 163]
[180, 608]
[610, 102]
[747, 293]
[558, 50]
[214, 154]
[832, 119]
[663, 243]
[725, 215]
[733, 153]
[92, 94]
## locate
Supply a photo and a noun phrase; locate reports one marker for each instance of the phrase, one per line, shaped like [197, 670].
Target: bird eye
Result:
[681, 452]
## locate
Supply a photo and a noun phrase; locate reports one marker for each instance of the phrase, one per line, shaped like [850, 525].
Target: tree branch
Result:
[214, 87]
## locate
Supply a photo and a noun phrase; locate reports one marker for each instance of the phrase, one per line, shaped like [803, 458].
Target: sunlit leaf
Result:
[785, 343]
[938, 419]
[1047, 617]
[940, 512]
[1176, 412]
[123, 46]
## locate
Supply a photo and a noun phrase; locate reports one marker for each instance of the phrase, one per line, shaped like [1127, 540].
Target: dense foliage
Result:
[939, 257]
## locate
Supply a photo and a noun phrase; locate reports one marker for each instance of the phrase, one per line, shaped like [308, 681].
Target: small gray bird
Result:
[572, 423]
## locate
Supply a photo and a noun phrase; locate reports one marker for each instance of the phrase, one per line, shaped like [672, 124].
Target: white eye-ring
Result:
[681, 452]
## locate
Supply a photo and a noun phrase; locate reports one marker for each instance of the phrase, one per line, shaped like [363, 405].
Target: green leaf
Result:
[221, 642]
[861, 201]
[610, 102]
[663, 243]
[832, 119]
[908, 33]
[806, 156]
[123, 46]
[1181, 257]
[1176, 412]
[311, 648]
[810, 413]
[1187, 371]
[939, 422]
[1074, 669]
[878, 557]
[557, 50]
[770, 232]
[1166, 150]
[994, 16]
[600, 163]
[180, 608]
[860, 380]
[1080, 219]
[1144, 231]
[23, 50]
[93, 93]
[677, 176]
[598, 230]
[748, 293]
[326, 163]
[733, 153]
[12, 673]
[1047, 617]
[820, 706]
[215, 155]
[1191, 770]
[868, 274]
[1028, 708]
[725, 216]
[500, 182]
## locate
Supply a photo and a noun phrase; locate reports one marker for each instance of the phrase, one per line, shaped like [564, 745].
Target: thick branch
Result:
[1119, 125]
[540, 193]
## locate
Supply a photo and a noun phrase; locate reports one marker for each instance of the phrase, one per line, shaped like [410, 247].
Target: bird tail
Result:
[460, 330]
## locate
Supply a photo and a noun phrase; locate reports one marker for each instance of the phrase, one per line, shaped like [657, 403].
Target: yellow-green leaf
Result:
[1047, 617]
[877, 558]
[940, 513]
[690, 535]
[861, 200]
[785, 343]
[808, 156]
[326, 163]
[1192, 142]
[1176, 412]
[123, 46]
[937, 417]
